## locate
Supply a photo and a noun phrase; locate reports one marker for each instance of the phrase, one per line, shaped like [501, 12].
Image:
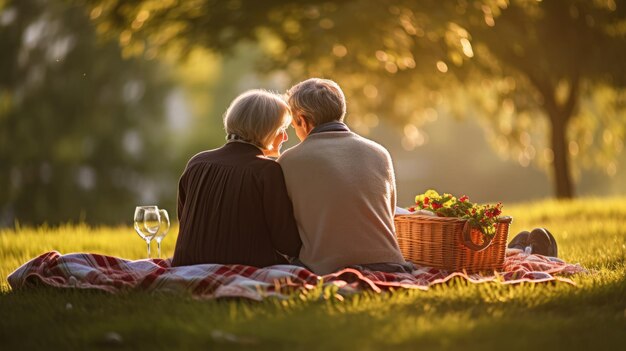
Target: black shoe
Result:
[520, 241]
[542, 242]
[554, 245]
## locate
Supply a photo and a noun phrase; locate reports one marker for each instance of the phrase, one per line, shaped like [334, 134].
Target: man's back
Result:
[343, 192]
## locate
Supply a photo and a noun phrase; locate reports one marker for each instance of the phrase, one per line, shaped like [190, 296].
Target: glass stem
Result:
[159, 247]
[148, 242]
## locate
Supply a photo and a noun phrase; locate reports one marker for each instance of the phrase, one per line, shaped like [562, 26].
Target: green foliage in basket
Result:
[483, 217]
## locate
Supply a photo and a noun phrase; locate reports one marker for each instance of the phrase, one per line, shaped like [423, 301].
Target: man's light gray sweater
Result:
[343, 191]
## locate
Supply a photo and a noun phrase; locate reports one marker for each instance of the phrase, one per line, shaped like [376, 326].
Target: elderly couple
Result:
[326, 204]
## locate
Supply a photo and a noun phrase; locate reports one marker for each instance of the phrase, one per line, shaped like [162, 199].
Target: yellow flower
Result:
[431, 193]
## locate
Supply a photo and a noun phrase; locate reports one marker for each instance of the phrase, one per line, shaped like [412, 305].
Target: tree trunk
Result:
[560, 115]
[562, 176]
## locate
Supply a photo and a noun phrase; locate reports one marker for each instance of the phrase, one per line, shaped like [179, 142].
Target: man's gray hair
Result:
[319, 100]
[256, 116]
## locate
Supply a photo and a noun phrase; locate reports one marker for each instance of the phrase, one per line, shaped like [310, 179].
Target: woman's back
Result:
[233, 208]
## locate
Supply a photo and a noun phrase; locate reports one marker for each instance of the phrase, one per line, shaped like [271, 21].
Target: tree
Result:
[81, 135]
[523, 64]
[560, 53]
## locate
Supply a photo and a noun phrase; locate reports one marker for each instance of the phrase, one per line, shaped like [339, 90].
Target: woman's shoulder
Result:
[265, 169]
[200, 157]
[246, 162]
[267, 165]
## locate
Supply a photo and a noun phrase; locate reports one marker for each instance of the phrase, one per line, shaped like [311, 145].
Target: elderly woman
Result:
[232, 201]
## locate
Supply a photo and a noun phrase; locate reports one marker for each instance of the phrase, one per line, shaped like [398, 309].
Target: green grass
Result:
[591, 315]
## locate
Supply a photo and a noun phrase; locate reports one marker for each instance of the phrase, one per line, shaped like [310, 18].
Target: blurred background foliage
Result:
[80, 126]
[103, 101]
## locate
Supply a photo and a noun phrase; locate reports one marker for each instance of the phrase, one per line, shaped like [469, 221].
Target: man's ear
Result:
[308, 123]
[301, 120]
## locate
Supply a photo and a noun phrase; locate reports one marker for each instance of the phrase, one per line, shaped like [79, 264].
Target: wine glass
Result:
[147, 223]
[164, 227]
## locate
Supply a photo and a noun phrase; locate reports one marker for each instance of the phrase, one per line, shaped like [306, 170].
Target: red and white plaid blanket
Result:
[113, 274]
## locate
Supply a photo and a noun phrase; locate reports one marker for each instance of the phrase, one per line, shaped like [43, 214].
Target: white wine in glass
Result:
[164, 227]
[147, 223]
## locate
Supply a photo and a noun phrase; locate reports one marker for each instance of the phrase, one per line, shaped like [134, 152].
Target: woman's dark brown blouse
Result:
[233, 208]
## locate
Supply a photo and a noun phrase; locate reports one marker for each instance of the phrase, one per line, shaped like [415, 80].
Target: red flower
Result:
[426, 200]
[412, 209]
[464, 198]
[435, 205]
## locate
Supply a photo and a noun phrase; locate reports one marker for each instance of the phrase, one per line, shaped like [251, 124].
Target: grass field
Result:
[591, 315]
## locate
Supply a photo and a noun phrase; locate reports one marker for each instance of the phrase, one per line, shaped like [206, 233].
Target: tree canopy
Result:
[548, 76]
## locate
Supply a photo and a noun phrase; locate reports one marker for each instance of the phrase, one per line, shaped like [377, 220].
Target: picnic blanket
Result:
[114, 275]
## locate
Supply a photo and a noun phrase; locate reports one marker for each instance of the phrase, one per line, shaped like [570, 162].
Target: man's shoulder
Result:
[315, 144]
[370, 147]
[295, 151]
[312, 145]
[369, 142]
[286, 155]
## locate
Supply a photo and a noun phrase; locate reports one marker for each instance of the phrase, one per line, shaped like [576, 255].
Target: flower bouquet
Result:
[482, 217]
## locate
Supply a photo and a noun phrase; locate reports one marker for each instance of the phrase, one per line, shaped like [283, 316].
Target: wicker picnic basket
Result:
[450, 243]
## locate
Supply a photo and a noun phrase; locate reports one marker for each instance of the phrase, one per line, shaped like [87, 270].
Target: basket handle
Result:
[467, 239]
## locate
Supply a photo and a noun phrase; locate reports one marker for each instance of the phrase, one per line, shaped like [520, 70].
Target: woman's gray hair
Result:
[256, 116]
[319, 100]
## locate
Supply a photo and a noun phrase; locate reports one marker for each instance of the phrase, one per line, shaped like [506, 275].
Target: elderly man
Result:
[341, 185]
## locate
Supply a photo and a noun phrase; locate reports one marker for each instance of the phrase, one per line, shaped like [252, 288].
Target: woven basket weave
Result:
[450, 243]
